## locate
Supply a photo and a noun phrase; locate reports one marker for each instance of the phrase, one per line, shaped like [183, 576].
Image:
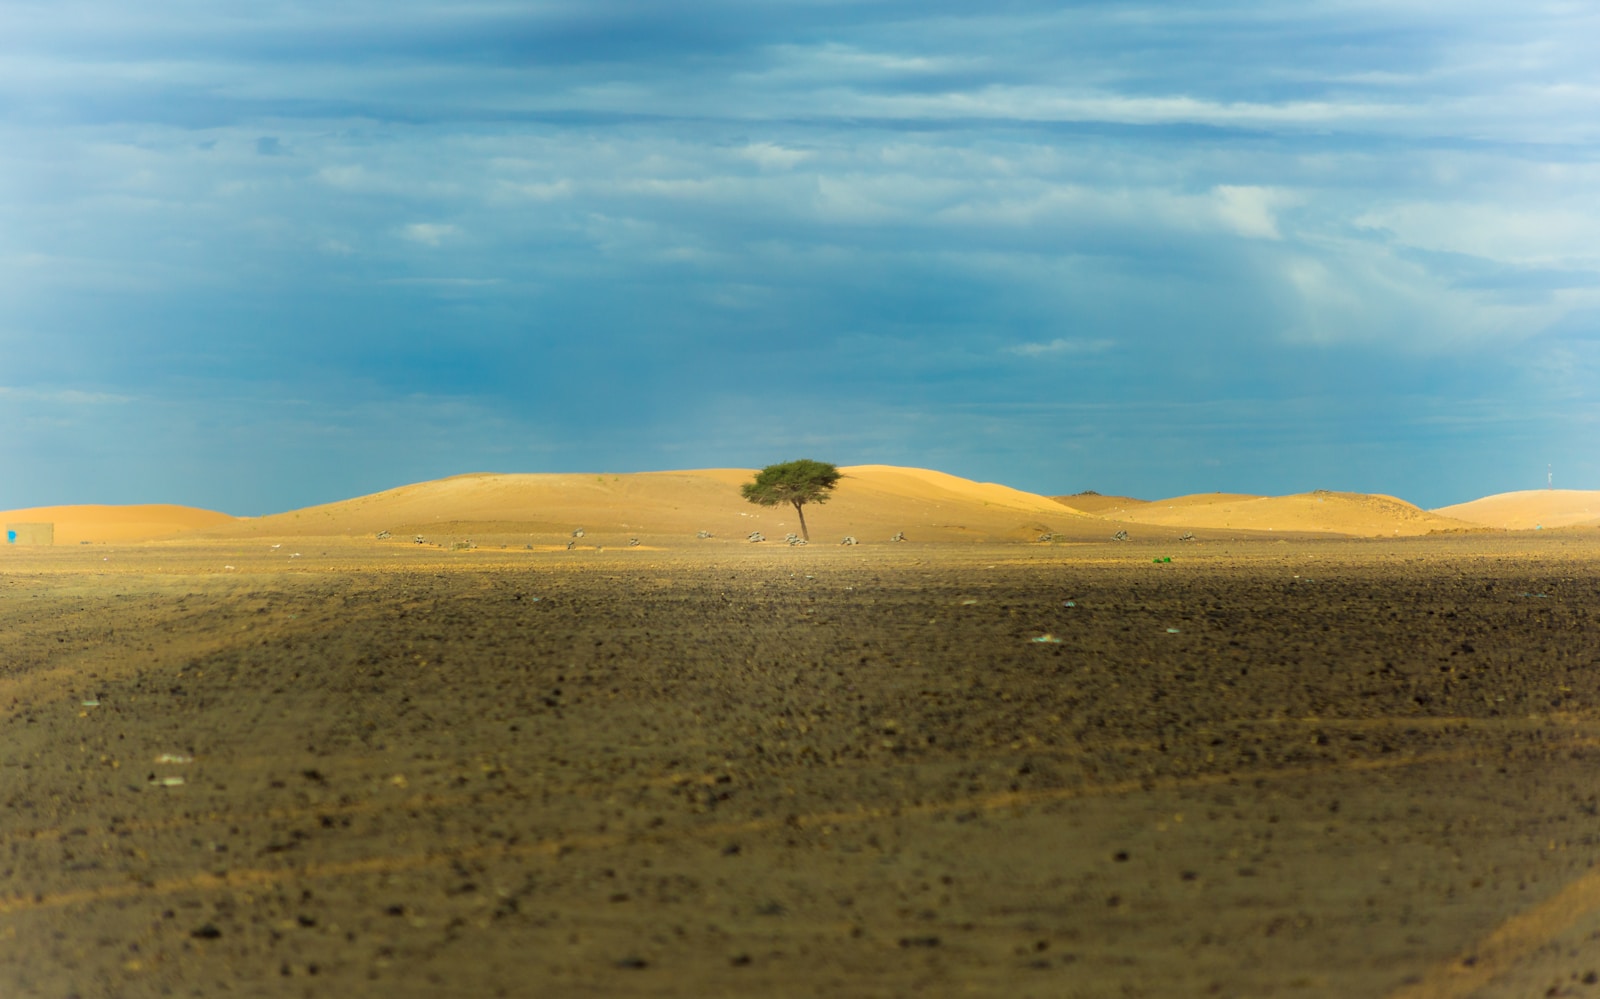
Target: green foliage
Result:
[796, 483]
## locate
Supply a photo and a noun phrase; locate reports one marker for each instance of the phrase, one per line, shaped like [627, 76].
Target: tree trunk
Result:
[798, 508]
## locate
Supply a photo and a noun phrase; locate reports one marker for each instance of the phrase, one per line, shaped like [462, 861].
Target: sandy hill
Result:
[1352, 514]
[872, 503]
[1097, 505]
[1521, 511]
[146, 522]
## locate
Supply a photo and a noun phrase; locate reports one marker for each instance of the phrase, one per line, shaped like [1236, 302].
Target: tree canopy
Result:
[796, 483]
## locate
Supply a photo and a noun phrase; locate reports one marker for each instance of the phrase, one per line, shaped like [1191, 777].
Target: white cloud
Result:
[771, 156]
[1530, 234]
[1062, 346]
[346, 176]
[552, 190]
[1249, 211]
[428, 233]
[832, 63]
[1052, 104]
[1355, 292]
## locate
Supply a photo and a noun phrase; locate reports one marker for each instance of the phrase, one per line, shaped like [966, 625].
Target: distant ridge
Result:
[1531, 508]
[110, 523]
[1098, 505]
[872, 503]
[1322, 512]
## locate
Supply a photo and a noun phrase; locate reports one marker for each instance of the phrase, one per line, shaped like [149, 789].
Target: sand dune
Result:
[872, 503]
[1351, 514]
[1097, 505]
[145, 522]
[1531, 508]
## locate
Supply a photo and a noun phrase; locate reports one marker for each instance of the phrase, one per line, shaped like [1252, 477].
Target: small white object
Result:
[167, 781]
[174, 758]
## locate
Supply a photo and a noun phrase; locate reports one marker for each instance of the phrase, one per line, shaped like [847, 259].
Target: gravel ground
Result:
[1300, 768]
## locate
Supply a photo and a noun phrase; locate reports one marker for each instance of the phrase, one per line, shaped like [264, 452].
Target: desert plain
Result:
[1326, 745]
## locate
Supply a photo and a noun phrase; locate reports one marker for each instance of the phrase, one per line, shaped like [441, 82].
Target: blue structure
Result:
[30, 534]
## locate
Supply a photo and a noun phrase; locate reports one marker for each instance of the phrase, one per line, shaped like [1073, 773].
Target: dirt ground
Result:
[1304, 768]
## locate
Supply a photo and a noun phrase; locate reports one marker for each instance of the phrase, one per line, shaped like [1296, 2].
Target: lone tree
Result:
[796, 483]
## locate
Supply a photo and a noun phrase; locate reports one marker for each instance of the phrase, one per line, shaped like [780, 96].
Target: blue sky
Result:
[258, 256]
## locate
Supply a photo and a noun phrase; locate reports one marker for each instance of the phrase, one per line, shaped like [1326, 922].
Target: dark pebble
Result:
[633, 963]
[206, 932]
[919, 941]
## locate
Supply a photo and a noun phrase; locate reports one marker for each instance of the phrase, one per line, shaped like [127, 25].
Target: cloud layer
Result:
[258, 258]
